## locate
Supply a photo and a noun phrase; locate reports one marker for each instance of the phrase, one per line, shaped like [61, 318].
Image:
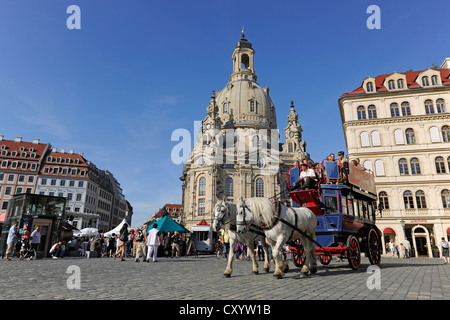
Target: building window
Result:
[229, 186]
[391, 84]
[259, 187]
[403, 167]
[202, 186]
[201, 206]
[406, 109]
[361, 112]
[429, 107]
[420, 200]
[372, 112]
[410, 137]
[425, 82]
[383, 200]
[369, 87]
[440, 106]
[252, 106]
[225, 107]
[79, 196]
[43, 182]
[445, 194]
[415, 166]
[379, 168]
[364, 139]
[395, 110]
[434, 80]
[440, 165]
[400, 84]
[445, 130]
[408, 199]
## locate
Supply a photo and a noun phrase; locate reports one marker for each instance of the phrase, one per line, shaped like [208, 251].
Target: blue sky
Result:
[137, 70]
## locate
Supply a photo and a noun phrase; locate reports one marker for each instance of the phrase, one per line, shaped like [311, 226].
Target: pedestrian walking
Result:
[445, 250]
[392, 248]
[402, 250]
[167, 243]
[123, 238]
[12, 240]
[35, 238]
[176, 244]
[152, 243]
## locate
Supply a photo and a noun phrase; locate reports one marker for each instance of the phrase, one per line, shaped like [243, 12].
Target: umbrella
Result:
[86, 232]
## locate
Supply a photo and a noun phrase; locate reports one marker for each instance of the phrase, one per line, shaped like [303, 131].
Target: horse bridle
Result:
[219, 219]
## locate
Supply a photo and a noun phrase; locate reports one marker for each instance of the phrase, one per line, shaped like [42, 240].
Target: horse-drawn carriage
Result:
[336, 218]
[344, 203]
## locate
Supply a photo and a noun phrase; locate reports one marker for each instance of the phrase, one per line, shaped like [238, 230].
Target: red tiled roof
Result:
[411, 77]
[28, 148]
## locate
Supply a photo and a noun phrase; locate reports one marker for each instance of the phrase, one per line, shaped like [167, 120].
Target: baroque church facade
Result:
[237, 151]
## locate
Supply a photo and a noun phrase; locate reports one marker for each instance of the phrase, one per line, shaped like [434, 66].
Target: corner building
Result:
[398, 125]
[237, 151]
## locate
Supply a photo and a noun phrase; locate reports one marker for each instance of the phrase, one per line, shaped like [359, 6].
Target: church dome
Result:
[243, 102]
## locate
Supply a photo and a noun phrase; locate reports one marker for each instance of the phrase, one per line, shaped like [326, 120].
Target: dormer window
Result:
[434, 80]
[67, 160]
[76, 161]
[4, 153]
[391, 84]
[369, 87]
[22, 148]
[400, 84]
[14, 153]
[425, 82]
[58, 160]
[49, 159]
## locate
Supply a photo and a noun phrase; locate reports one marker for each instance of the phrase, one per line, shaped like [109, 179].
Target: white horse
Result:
[262, 211]
[225, 215]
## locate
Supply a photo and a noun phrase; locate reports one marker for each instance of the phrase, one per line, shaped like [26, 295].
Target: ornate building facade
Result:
[237, 151]
[398, 125]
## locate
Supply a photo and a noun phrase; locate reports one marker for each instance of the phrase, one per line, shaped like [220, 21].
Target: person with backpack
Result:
[140, 244]
[445, 250]
[111, 248]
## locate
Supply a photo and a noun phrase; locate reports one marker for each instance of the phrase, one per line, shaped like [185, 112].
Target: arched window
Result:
[379, 168]
[391, 84]
[202, 186]
[225, 107]
[364, 139]
[252, 105]
[410, 137]
[440, 164]
[383, 200]
[445, 194]
[290, 147]
[361, 112]
[400, 84]
[372, 111]
[259, 187]
[434, 134]
[406, 109]
[408, 199]
[425, 82]
[398, 136]
[229, 187]
[415, 166]
[369, 87]
[445, 130]
[403, 166]
[376, 141]
[440, 106]
[420, 200]
[429, 107]
[395, 110]
[434, 80]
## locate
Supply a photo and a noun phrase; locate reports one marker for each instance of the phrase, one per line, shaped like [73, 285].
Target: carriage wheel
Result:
[374, 247]
[325, 259]
[298, 256]
[353, 253]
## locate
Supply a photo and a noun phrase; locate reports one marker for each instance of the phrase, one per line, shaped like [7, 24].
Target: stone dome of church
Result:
[243, 102]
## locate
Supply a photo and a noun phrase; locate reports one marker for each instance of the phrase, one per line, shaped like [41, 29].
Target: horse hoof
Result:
[277, 276]
[266, 270]
[227, 275]
[313, 270]
[303, 274]
[255, 272]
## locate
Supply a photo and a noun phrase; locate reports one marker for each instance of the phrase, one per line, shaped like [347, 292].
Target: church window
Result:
[225, 107]
[445, 194]
[259, 187]
[201, 207]
[290, 147]
[229, 186]
[252, 106]
[202, 186]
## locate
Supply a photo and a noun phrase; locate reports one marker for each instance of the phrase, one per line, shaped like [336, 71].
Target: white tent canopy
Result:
[86, 232]
[116, 230]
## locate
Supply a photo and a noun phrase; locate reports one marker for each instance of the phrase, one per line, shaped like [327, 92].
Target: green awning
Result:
[167, 224]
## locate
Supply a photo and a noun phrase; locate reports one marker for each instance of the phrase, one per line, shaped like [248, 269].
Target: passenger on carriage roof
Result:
[308, 176]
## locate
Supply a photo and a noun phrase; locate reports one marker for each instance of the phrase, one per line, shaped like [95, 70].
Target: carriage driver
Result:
[308, 176]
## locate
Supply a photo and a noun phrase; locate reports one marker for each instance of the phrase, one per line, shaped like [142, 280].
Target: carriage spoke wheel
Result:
[353, 253]
[325, 259]
[298, 256]
[374, 247]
